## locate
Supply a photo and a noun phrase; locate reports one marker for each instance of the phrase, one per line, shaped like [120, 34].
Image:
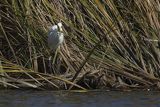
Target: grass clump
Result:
[108, 44]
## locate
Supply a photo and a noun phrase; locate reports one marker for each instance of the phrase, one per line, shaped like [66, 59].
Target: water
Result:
[75, 99]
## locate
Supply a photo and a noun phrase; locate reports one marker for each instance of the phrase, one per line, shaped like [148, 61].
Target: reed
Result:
[108, 44]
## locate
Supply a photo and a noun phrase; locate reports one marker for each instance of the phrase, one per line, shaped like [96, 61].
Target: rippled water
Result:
[74, 99]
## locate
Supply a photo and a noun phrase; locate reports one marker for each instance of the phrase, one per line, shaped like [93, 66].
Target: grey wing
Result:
[53, 39]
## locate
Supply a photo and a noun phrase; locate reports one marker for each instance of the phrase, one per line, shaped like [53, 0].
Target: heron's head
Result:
[60, 26]
[55, 27]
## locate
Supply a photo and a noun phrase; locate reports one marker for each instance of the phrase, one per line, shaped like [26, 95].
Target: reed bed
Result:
[112, 44]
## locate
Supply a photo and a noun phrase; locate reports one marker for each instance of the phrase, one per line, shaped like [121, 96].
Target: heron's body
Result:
[55, 37]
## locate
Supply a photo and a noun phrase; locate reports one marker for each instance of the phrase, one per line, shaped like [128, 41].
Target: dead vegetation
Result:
[112, 44]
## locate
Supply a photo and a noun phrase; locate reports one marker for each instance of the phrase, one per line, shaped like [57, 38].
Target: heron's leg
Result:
[50, 64]
[55, 55]
[54, 59]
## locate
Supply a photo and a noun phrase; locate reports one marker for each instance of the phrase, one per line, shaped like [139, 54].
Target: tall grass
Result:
[112, 43]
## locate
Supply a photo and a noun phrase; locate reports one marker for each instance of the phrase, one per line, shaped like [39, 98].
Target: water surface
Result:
[14, 98]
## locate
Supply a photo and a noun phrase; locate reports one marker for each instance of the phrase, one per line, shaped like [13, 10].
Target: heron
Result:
[55, 39]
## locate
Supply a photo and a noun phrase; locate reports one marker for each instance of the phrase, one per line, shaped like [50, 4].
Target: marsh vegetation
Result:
[112, 44]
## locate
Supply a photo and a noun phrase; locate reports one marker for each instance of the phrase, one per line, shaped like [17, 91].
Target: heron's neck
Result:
[61, 38]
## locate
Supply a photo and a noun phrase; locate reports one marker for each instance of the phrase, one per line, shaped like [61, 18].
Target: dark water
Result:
[75, 99]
